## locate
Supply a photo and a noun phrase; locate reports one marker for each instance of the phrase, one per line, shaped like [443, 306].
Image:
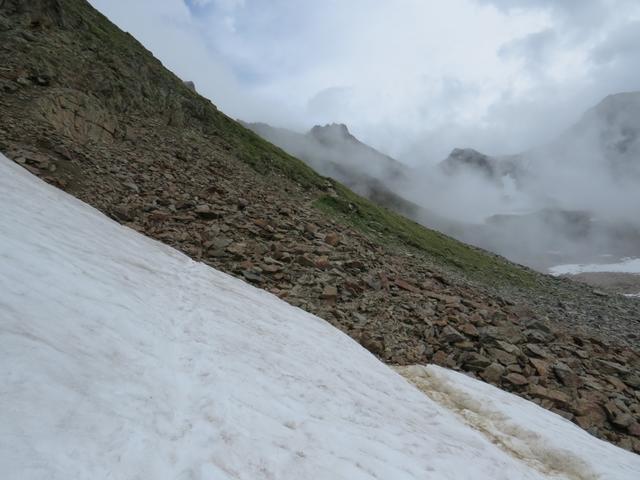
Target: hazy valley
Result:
[573, 201]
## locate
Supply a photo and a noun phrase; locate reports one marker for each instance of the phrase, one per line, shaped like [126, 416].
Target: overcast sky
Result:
[414, 78]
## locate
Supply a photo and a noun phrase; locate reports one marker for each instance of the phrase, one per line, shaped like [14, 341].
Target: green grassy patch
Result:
[266, 158]
[386, 227]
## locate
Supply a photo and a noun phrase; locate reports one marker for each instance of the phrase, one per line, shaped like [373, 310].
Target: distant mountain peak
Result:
[468, 157]
[463, 153]
[332, 127]
[332, 132]
[616, 98]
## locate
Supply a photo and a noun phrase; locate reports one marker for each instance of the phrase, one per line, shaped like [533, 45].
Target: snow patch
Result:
[626, 265]
[543, 440]
[122, 358]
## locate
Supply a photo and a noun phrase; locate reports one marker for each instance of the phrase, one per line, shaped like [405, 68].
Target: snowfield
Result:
[626, 265]
[121, 358]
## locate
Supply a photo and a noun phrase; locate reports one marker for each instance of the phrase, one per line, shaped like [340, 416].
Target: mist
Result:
[574, 199]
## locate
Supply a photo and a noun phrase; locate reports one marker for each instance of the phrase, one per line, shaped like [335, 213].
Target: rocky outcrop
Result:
[39, 13]
[77, 115]
[468, 159]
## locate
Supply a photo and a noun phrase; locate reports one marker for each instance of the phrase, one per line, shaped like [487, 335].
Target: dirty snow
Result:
[122, 358]
[540, 438]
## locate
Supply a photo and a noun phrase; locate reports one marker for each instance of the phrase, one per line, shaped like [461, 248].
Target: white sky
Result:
[414, 78]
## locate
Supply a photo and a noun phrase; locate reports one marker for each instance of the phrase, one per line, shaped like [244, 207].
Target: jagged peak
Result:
[190, 85]
[331, 131]
[466, 152]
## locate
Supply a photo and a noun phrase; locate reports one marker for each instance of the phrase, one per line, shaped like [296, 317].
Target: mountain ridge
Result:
[614, 121]
[333, 151]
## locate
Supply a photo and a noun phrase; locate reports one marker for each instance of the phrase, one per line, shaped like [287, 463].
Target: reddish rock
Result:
[616, 382]
[470, 330]
[207, 213]
[310, 228]
[566, 375]
[537, 351]
[322, 263]
[589, 414]
[562, 413]
[305, 261]
[516, 379]
[555, 396]
[451, 335]
[541, 366]
[509, 348]
[589, 421]
[502, 356]
[261, 222]
[271, 268]
[440, 358]
[474, 361]
[448, 299]
[493, 373]
[406, 286]
[246, 265]
[374, 345]
[159, 216]
[353, 287]
[329, 292]
[623, 420]
[332, 239]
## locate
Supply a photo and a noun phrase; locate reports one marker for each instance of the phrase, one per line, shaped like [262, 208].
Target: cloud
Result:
[624, 42]
[413, 78]
[534, 49]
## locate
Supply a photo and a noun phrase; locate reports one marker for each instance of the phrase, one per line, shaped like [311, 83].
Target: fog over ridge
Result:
[508, 79]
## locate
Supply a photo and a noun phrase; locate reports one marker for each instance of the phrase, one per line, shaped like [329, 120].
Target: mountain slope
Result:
[607, 134]
[123, 358]
[87, 108]
[610, 130]
[334, 152]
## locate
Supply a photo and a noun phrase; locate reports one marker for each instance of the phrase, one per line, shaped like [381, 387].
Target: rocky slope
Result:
[87, 108]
